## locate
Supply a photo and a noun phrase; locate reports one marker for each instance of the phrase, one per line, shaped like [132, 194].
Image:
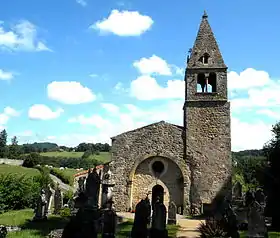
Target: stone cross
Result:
[41, 207]
[256, 221]
[172, 210]
[237, 190]
[159, 221]
[109, 222]
[141, 219]
[58, 200]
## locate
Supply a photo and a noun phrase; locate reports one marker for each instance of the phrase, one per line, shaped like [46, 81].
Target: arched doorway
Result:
[157, 192]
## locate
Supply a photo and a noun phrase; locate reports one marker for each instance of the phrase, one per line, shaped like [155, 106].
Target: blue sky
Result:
[86, 70]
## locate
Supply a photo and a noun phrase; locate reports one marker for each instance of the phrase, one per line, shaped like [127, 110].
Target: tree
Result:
[31, 160]
[272, 151]
[14, 149]
[3, 144]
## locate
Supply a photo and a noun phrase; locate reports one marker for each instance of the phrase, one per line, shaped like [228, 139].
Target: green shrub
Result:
[212, 229]
[65, 212]
[18, 192]
[62, 176]
[31, 160]
[67, 196]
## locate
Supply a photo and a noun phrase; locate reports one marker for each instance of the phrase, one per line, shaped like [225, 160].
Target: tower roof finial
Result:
[205, 14]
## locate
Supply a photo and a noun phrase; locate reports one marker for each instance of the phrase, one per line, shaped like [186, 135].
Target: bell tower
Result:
[207, 120]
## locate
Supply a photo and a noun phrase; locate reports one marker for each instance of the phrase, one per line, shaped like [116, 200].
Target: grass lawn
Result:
[30, 229]
[19, 170]
[272, 234]
[102, 157]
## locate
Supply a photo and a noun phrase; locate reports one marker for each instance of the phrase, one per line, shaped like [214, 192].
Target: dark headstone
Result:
[172, 213]
[109, 222]
[141, 219]
[3, 231]
[260, 197]
[92, 188]
[159, 221]
[256, 221]
[231, 222]
[249, 198]
[237, 191]
[58, 200]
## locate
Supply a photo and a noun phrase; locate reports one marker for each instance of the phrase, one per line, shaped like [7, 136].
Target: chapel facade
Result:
[190, 164]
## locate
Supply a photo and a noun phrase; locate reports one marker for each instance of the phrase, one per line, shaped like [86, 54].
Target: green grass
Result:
[272, 234]
[63, 154]
[19, 170]
[41, 229]
[103, 156]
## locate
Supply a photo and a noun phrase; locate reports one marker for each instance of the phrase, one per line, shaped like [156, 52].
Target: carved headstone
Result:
[58, 200]
[109, 222]
[260, 197]
[231, 222]
[107, 188]
[172, 213]
[81, 183]
[92, 188]
[159, 221]
[237, 191]
[49, 199]
[141, 219]
[41, 207]
[256, 221]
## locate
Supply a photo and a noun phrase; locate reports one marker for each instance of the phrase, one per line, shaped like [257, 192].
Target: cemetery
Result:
[162, 180]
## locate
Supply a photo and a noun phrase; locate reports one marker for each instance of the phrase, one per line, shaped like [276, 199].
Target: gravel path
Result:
[62, 185]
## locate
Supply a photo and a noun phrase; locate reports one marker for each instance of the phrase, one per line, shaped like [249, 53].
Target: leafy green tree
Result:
[31, 160]
[3, 143]
[14, 149]
[272, 151]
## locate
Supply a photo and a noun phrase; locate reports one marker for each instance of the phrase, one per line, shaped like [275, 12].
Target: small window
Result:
[204, 59]
[206, 84]
[212, 81]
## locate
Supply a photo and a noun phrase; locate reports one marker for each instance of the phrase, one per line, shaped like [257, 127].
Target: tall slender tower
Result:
[207, 121]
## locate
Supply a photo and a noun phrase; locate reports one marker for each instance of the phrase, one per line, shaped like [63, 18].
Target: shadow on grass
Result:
[43, 228]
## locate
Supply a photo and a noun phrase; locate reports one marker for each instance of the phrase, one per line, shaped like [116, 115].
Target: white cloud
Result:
[70, 92]
[4, 75]
[249, 78]
[5, 116]
[270, 113]
[146, 88]
[82, 2]
[94, 120]
[152, 65]
[124, 23]
[43, 112]
[93, 75]
[247, 135]
[21, 37]
[111, 108]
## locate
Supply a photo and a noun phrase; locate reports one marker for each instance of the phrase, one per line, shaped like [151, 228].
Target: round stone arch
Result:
[172, 179]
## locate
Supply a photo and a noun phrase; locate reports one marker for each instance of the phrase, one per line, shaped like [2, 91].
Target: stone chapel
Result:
[190, 164]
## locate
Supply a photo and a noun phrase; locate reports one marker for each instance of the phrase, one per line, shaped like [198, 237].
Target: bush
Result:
[31, 160]
[67, 196]
[62, 176]
[212, 229]
[18, 192]
[65, 212]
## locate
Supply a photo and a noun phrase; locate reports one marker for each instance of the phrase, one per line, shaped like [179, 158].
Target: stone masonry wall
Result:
[144, 181]
[208, 149]
[131, 148]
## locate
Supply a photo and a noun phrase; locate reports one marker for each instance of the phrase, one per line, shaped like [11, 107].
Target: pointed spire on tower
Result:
[205, 46]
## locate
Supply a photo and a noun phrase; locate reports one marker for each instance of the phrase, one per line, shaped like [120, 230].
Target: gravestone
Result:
[107, 188]
[249, 198]
[141, 219]
[3, 231]
[81, 183]
[237, 191]
[159, 221]
[49, 199]
[260, 197]
[92, 188]
[172, 213]
[86, 222]
[58, 200]
[41, 207]
[109, 222]
[231, 222]
[256, 221]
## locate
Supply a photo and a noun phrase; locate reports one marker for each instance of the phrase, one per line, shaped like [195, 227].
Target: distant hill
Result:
[248, 153]
[39, 147]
